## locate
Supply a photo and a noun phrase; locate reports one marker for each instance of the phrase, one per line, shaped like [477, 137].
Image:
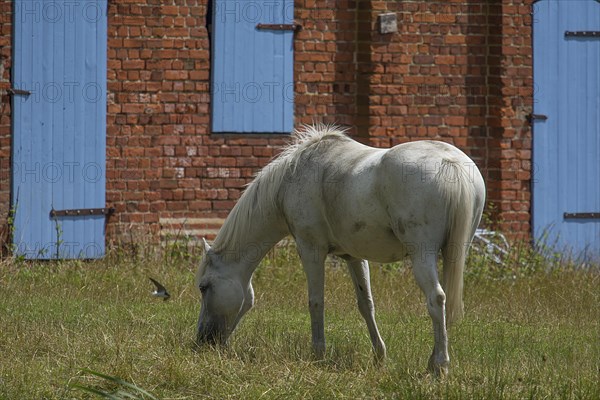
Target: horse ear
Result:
[205, 245]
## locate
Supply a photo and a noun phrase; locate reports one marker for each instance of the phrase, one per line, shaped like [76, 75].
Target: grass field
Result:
[528, 333]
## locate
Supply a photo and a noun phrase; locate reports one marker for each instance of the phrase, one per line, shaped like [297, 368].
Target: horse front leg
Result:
[425, 272]
[359, 271]
[313, 260]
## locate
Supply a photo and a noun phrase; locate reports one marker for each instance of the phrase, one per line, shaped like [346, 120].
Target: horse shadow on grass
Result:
[291, 348]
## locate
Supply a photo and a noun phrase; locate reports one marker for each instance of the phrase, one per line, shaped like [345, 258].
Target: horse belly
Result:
[358, 220]
[385, 226]
[364, 241]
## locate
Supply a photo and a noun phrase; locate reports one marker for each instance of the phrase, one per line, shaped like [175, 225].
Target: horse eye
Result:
[203, 288]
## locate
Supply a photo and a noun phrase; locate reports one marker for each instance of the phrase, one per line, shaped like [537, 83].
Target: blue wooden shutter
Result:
[59, 130]
[252, 69]
[566, 145]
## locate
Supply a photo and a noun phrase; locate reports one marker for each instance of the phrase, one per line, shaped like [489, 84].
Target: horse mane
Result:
[261, 194]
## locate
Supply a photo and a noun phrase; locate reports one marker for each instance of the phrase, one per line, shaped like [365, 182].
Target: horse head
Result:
[225, 298]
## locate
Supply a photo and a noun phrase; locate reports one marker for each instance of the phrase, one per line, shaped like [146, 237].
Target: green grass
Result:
[525, 335]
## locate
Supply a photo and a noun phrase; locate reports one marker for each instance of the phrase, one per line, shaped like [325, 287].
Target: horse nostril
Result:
[213, 332]
[207, 334]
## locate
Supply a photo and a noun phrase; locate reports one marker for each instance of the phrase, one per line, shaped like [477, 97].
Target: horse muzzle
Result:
[212, 332]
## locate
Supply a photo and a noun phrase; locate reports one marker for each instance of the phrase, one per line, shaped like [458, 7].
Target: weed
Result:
[123, 390]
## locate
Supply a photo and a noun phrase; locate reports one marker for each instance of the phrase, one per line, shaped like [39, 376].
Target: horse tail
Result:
[458, 190]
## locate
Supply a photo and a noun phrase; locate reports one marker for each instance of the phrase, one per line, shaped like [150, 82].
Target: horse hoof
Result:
[439, 370]
[319, 351]
[379, 355]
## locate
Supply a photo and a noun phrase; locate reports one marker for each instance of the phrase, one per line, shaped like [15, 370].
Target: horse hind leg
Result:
[425, 272]
[359, 271]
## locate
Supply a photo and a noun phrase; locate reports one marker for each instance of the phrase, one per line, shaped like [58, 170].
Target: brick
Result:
[455, 121]
[445, 60]
[176, 75]
[133, 64]
[455, 39]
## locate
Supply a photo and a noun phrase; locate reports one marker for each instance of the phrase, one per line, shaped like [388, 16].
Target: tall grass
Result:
[529, 332]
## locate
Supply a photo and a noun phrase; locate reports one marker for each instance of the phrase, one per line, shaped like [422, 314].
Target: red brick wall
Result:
[5, 113]
[509, 154]
[459, 71]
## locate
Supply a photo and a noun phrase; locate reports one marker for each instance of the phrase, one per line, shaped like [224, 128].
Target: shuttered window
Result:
[252, 66]
[59, 128]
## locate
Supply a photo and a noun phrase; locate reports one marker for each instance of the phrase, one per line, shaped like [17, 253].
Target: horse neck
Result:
[256, 223]
[249, 246]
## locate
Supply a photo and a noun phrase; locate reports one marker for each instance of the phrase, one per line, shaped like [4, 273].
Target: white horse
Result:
[337, 196]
